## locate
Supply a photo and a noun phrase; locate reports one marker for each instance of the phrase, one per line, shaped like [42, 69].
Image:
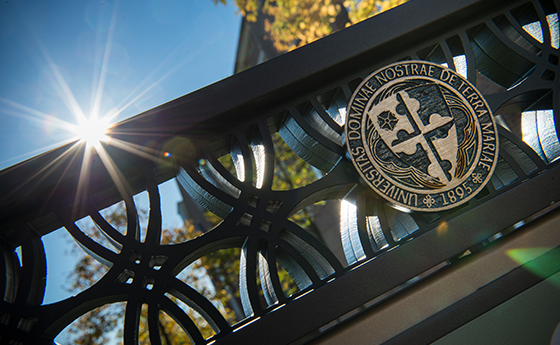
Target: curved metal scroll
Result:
[512, 56]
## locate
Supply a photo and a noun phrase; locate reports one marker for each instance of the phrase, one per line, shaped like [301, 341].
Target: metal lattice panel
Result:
[508, 50]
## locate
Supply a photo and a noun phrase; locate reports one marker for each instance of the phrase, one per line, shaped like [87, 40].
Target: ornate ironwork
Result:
[509, 50]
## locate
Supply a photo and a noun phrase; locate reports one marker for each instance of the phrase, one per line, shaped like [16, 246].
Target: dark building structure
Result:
[484, 272]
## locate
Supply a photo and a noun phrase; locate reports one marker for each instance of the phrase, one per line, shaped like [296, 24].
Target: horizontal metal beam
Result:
[27, 189]
[395, 267]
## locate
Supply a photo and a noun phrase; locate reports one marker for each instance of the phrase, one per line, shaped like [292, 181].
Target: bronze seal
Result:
[421, 136]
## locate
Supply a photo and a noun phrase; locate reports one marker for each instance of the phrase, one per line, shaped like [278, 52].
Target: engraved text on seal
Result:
[421, 136]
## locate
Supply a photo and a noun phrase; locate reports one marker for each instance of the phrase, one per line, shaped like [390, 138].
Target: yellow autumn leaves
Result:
[290, 24]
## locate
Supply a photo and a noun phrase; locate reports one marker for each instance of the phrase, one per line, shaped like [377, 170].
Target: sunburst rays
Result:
[90, 131]
[90, 135]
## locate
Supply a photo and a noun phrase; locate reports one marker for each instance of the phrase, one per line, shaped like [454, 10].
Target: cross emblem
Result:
[409, 127]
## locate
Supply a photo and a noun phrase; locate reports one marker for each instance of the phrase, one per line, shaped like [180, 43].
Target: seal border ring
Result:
[419, 205]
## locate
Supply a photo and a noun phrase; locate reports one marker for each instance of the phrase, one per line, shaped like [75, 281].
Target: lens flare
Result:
[442, 228]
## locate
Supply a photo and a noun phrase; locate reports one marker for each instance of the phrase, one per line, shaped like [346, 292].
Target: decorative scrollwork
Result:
[511, 55]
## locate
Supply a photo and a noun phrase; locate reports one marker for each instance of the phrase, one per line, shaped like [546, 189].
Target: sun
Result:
[92, 131]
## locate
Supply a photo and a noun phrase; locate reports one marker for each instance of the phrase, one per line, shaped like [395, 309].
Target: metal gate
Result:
[508, 49]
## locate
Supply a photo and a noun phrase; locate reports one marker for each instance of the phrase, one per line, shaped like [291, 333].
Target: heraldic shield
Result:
[421, 136]
[417, 136]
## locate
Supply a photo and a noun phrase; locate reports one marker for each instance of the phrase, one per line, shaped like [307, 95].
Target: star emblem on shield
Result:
[421, 136]
[387, 120]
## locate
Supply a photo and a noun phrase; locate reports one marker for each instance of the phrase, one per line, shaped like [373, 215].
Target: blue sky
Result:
[123, 55]
[111, 57]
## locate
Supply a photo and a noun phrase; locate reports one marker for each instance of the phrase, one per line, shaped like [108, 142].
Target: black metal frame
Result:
[480, 302]
[292, 95]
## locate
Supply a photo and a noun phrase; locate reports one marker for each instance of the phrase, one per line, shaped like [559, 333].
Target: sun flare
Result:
[92, 131]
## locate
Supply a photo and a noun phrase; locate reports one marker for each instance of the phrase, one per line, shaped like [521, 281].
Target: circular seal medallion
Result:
[421, 136]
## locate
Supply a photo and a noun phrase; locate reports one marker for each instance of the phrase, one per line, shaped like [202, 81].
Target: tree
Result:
[279, 26]
[289, 24]
[96, 327]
